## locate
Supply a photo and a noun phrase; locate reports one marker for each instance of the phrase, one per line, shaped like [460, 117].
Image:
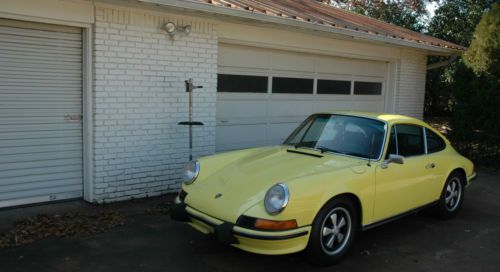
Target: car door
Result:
[436, 162]
[403, 187]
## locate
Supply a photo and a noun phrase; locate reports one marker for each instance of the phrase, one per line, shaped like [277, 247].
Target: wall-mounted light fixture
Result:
[173, 29]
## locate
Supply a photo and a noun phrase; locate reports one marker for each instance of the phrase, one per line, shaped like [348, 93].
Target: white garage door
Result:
[40, 113]
[264, 94]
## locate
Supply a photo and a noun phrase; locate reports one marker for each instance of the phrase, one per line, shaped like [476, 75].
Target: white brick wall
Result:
[410, 86]
[139, 98]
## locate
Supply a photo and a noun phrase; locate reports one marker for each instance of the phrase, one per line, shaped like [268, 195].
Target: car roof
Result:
[386, 117]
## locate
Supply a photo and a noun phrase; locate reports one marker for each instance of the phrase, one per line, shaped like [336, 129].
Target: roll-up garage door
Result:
[40, 113]
[263, 94]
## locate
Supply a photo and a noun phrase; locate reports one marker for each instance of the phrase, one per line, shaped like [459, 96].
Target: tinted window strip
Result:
[227, 83]
[367, 88]
[333, 86]
[292, 85]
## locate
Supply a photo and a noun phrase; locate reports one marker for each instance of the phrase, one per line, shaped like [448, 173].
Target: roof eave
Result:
[201, 7]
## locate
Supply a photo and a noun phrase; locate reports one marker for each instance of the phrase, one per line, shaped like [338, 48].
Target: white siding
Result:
[410, 90]
[139, 98]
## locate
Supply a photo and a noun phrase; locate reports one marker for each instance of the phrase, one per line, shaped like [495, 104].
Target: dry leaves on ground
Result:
[31, 229]
[159, 209]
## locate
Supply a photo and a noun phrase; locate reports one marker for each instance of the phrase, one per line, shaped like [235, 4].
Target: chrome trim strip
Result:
[271, 238]
[249, 235]
[396, 137]
[424, 132]
[398, 216]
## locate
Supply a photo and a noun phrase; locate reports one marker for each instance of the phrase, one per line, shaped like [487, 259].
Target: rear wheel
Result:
[452, 196]
[332, 232]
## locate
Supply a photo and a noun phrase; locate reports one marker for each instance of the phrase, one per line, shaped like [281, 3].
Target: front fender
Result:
[308, 195]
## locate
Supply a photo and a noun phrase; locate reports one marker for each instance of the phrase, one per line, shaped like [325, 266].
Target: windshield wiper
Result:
[323, 149]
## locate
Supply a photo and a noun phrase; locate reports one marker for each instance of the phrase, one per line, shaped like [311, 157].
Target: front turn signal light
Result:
[275, 225]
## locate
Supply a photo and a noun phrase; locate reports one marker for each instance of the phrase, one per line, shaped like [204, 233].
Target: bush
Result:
[475, 121]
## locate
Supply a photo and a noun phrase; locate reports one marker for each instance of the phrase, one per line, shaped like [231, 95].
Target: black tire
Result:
[452, 196]
[319, 250]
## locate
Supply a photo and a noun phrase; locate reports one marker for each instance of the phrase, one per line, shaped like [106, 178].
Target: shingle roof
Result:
[315, 12]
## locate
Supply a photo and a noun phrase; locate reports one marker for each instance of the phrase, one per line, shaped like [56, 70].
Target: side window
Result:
[392, 148]
[434, 142]
[410, 140]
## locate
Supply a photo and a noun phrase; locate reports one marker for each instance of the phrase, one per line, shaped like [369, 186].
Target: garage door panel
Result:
[66, 191]
[40, 83]
[20, 173]
[68, 175]
[232, 56]
[38, 63]
[278, 132]
[18, 143]
[282, 108]
[292, 62]
[26, 187]
[50, 155]
[330, 105]
[340, 66]
[233, 109]
[370, 68]
[31, 128]
[368, 105]
[240, 136]
[38, 150]
[33, 120]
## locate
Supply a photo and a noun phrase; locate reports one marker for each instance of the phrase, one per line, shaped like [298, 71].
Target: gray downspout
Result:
[442, 63]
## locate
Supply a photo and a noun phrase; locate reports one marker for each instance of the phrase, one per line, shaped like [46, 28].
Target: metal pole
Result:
[191, 123]
[190, 90]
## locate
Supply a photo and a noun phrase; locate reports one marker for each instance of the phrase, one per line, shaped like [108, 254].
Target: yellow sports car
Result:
[336, 174]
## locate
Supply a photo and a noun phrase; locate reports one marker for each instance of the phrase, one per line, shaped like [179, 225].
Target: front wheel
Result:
[332, 232]
[452, 196]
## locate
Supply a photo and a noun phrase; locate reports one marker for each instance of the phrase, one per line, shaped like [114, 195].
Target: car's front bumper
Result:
[256, 241]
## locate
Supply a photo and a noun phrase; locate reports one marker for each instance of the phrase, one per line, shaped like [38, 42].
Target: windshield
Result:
[348, 135]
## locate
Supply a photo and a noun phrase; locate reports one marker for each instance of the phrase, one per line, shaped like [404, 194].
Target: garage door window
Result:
[367, 88]
[333, 86]
[241, 84]
[293, 85]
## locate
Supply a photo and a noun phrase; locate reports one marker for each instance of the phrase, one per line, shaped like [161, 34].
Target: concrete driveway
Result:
[471, 242]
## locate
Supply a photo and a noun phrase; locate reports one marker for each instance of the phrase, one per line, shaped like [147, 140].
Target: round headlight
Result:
[276, 198]
[191, 171]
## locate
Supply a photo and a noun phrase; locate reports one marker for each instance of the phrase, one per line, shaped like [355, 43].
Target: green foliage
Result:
[475, 87]
[454, 21]
[475, 120]
[484, 52]
[406, 13]
[401, 14]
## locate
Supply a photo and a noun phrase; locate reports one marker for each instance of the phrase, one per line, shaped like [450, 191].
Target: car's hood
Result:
[243, 182]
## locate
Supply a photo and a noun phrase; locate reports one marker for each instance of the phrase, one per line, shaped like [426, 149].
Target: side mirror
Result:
[393, 158]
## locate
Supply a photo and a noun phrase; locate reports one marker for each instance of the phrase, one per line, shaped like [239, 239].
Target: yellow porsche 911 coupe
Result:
[338, 173]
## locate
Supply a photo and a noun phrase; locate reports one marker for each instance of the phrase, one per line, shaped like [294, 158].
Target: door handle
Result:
[430, 166]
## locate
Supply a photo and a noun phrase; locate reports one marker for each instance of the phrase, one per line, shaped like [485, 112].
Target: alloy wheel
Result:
[453, 194]
[336, 230]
